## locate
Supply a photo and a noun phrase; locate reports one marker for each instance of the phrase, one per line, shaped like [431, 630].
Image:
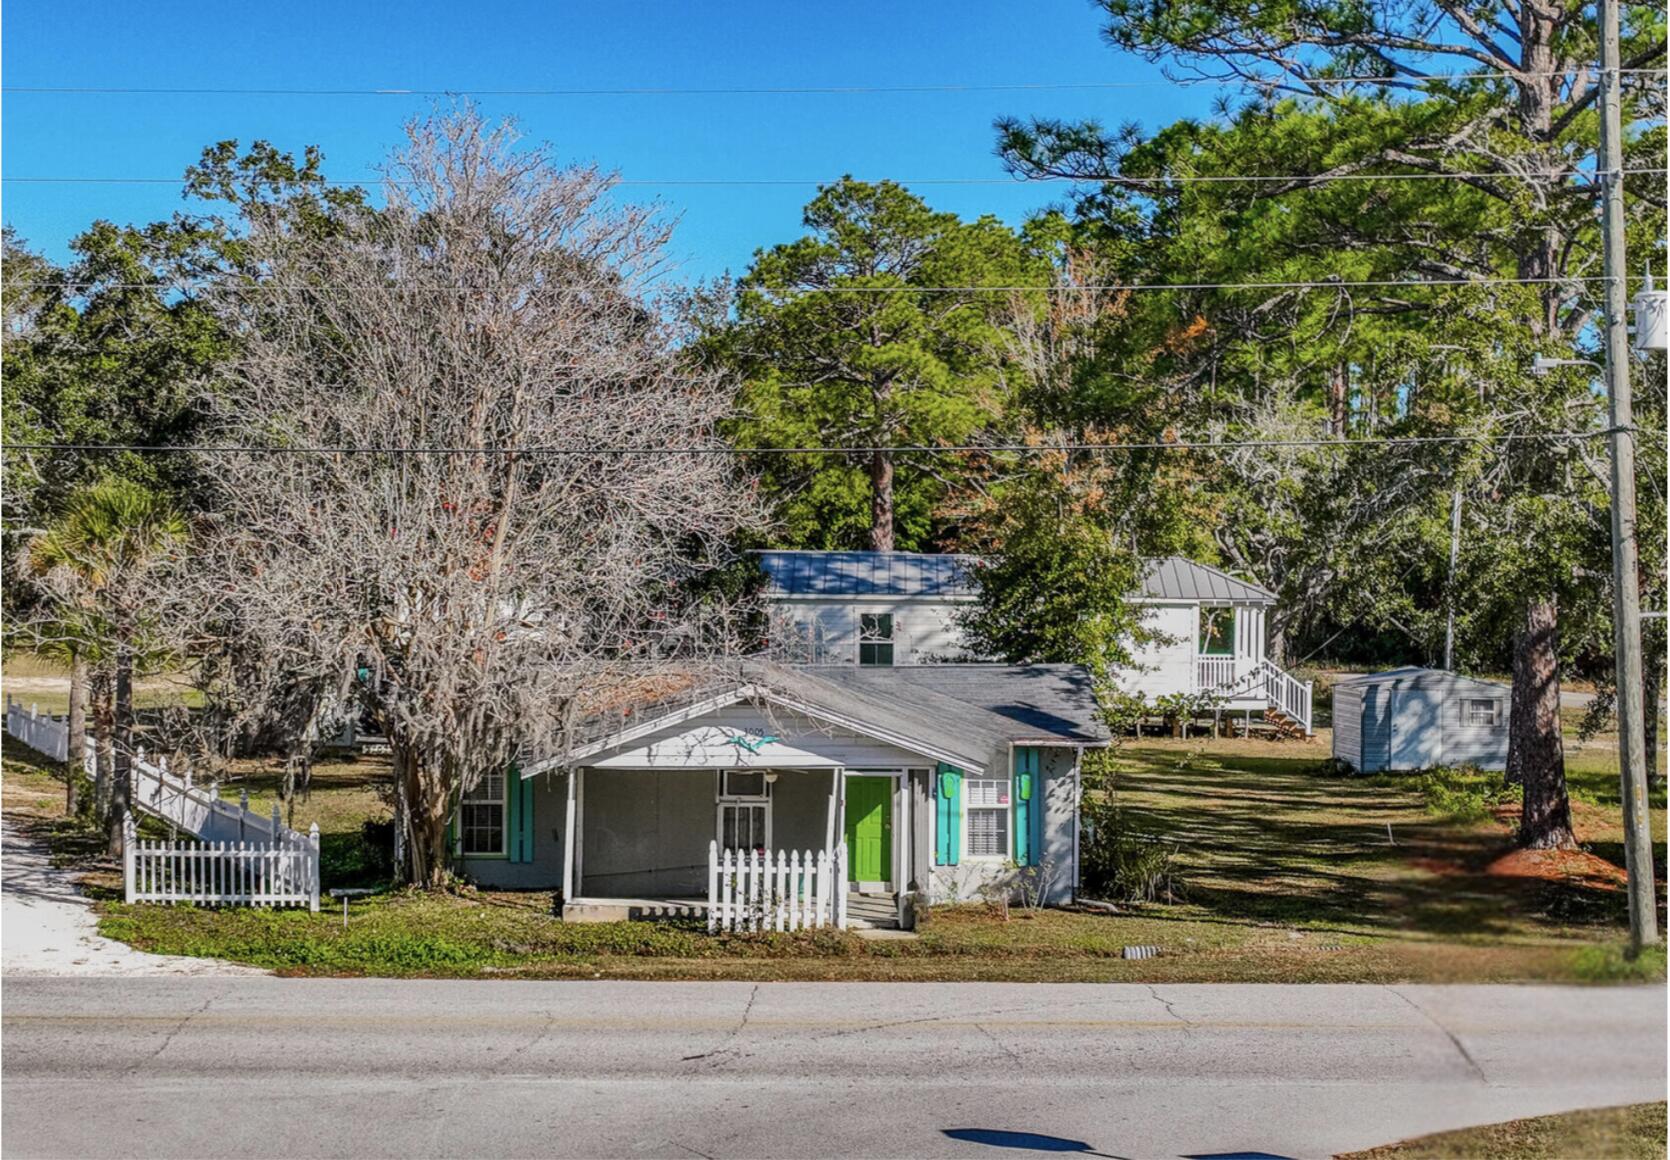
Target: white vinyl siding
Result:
[923, 629]
[1418, 718]
[986, 816]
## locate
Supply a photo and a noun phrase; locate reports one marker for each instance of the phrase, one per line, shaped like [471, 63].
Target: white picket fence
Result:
[239, 856]
[41, 732]
[282, 873]
[757, 890]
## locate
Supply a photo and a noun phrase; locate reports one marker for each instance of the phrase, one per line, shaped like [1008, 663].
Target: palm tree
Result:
[98, 560]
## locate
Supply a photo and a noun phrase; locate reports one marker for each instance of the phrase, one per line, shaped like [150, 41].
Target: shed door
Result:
[1417, 732]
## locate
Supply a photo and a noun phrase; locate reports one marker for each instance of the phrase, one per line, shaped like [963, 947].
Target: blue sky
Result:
[421, 44]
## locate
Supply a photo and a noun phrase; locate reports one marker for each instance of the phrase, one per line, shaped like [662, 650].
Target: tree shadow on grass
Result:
[1272, 843]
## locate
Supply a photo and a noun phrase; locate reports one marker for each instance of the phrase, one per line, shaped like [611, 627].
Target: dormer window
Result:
[875, 638]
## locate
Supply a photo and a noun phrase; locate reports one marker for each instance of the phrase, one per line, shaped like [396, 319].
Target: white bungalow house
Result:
[791, 796]
[877, 609]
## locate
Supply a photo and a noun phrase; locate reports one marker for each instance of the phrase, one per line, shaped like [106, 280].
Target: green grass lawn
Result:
[1284, 875]
[1635, 1132]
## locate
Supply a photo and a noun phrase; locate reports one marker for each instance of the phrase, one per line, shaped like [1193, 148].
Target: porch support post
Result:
[568, 839]
[580, 830]
[834, 803]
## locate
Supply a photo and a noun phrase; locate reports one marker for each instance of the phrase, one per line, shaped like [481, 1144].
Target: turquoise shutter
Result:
[512, 807]
[522, 789]
[1025, 779]
[948, 792]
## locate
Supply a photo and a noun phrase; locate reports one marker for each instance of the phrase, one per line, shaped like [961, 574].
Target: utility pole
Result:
[1455, 550]
[1626, 612]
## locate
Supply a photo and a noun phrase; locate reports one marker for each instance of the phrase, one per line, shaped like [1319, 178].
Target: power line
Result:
[907, 450]
[1107, 287]
[796, 90]
[789, 182]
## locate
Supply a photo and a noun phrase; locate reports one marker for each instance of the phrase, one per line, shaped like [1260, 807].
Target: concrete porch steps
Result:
[873, 911]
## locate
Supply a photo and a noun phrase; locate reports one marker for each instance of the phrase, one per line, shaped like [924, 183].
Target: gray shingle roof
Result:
[866, 573]
[968, 712]
[1046, 703]
[907, 574]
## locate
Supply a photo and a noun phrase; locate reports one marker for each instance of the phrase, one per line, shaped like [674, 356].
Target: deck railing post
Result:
[313, 867]
[129, 837]
[712, 886]
[841, 886]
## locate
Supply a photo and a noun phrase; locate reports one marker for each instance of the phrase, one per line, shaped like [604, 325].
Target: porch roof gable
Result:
[964, 715]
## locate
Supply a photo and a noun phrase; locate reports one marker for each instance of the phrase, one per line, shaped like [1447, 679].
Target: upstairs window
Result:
[481, 816]
[1217, 631]
[875, 638]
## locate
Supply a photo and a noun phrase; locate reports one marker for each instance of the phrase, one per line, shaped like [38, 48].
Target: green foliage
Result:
[864, 368]
[1117, 863]
[1465, 793]
[1057, 587]
[1610, 963]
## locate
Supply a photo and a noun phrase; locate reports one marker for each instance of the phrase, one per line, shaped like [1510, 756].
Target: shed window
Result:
[987, 809]
[1481, 711]
[875, 638]
[481, 816]
[1217, 631]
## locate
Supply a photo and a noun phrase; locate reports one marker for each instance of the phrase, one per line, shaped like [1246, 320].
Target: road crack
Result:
[724, 1048]
[1455, 1040]
[178, 1027]
[544, 1030]
[998, 1043]
[1154, 993]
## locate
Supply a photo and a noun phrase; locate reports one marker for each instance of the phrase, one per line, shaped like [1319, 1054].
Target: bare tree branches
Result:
[473, 604]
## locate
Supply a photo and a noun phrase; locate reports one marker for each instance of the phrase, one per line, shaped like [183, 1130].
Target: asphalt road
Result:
[241, 1066]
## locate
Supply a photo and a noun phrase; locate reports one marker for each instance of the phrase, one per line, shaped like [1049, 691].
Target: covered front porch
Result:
[745, 822]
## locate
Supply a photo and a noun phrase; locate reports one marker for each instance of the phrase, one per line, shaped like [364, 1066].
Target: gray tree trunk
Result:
[881, 501]
[104, 725]
[121, 788]
[77, 724]
[1536, 750]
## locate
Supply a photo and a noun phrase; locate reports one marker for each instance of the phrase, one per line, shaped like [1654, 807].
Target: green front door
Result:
[869, 828]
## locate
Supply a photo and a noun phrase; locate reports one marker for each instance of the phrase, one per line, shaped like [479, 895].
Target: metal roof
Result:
[866, 573]
[1174, 578]
[919, 574]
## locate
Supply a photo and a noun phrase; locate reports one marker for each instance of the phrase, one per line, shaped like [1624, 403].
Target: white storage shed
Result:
[1415, 718]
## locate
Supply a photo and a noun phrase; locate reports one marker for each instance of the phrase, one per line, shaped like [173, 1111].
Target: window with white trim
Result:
[986, 816]
[742, 826]
[1481, 711]
[742, 783]
[875, 638]
[744, 810]
[481, 813]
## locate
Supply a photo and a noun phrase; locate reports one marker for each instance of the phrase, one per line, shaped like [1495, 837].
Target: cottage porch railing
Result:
[1280, 689]
[758, 890]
